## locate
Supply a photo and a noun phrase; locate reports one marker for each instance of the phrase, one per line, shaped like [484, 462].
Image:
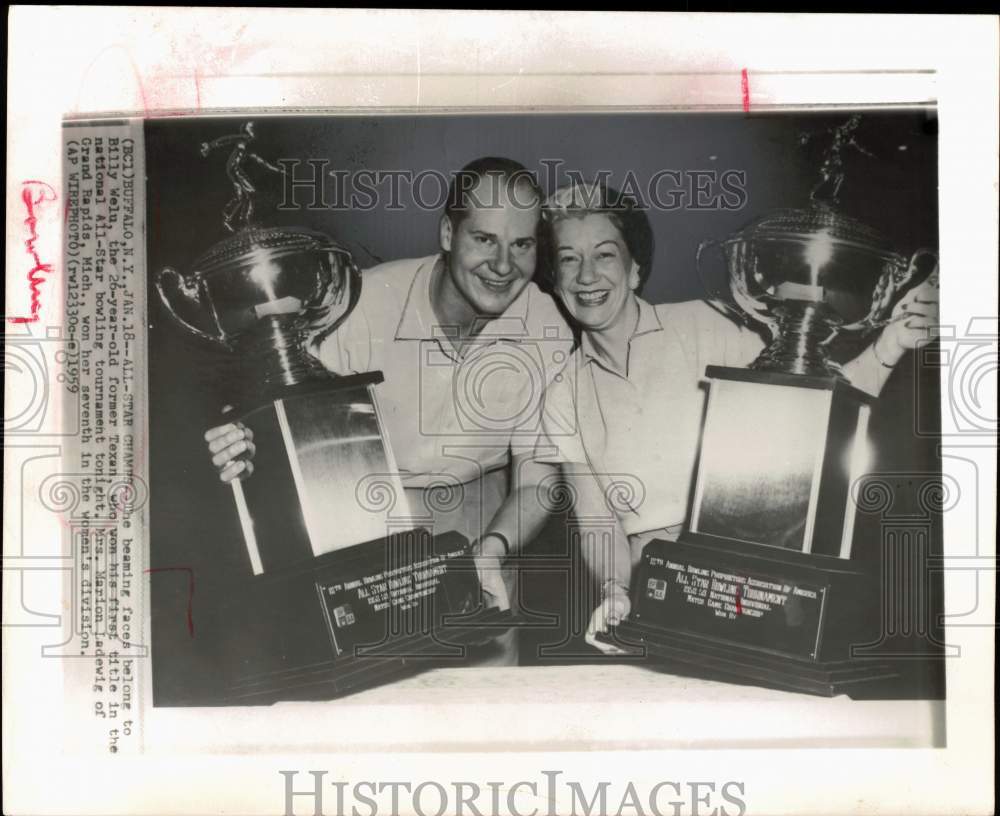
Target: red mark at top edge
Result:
[745, 89]
[34, 194]
[197, 88]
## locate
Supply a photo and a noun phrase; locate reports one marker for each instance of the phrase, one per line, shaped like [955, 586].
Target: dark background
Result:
[895, 191]
[193, 521]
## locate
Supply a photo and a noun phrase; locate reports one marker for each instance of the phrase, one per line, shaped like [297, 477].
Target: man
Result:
[467, 343]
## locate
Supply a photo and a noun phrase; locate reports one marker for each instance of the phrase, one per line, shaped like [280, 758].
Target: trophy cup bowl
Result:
[810, 276]
[255, 292]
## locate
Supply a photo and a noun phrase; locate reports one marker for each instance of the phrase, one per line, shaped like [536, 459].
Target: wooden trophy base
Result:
[764, 588]
[758, 615]
[339, 592]
[353, 619]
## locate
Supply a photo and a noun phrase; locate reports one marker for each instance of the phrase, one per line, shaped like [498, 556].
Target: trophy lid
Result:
[805, 225]
[253, 244]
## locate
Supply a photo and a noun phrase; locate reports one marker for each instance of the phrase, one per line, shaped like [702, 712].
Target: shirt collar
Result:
[417, 319]
[649, 321]
[419, 322]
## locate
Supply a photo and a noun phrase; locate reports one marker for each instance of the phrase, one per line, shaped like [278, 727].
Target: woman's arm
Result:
[605, 550]
[914, 321]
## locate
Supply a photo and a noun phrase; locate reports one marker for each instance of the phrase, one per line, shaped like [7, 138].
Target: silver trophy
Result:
[265, 294]
[259, 291]
[812, 275]
[767, 584]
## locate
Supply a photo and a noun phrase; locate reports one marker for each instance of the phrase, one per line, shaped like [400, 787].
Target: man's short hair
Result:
[578, 200]
[463, 182]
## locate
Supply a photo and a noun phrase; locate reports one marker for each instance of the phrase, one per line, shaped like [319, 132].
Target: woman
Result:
[623, 421]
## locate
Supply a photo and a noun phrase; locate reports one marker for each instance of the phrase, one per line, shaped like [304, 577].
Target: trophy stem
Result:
[799, 346]
[274, 352]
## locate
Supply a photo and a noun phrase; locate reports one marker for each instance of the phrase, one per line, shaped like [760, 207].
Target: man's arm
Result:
[603, 543]
[524, 512]
[518, 520]
[231, 445]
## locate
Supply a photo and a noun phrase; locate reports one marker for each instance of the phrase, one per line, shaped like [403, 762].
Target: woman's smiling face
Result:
[595, 273]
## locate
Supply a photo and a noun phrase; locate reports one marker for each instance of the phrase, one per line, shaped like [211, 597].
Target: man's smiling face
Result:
[492, 250]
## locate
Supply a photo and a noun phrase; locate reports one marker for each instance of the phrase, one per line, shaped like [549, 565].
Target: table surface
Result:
[568, 708]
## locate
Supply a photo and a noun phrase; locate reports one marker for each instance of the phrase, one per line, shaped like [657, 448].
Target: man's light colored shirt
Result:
[460, 416]
[638, 429]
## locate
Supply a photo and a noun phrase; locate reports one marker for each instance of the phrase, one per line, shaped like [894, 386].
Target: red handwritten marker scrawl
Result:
[190, 572]
[34, 194]
[745, 88]
[739, 597]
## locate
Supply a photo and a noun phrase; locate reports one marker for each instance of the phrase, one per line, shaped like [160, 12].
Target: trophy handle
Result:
[911, 271]
[715, 298]
[181, 297]
[892, 283]
[354, 293]
[747, 310]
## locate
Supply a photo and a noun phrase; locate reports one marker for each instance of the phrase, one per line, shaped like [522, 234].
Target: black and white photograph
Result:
[477, 392]
[504, 412]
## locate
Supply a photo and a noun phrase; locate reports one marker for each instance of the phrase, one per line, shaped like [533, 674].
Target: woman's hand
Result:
[611, 611]
[914, 322]
[488, 557]
[232, 449]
